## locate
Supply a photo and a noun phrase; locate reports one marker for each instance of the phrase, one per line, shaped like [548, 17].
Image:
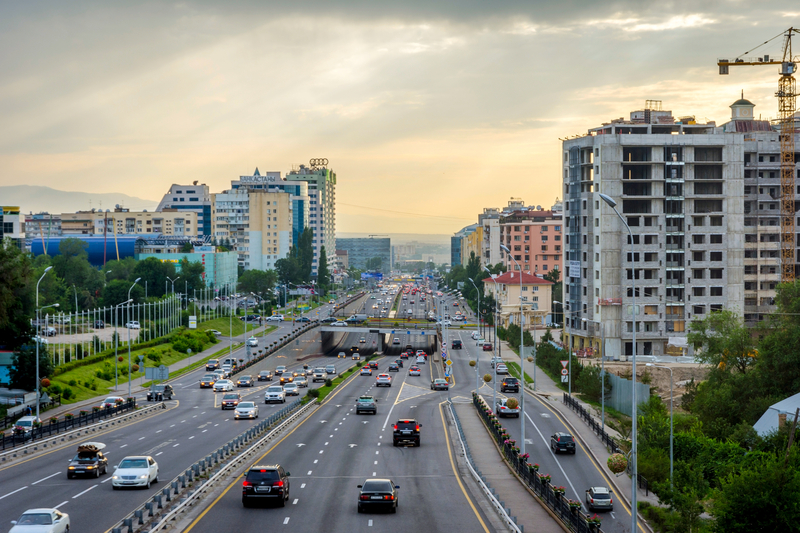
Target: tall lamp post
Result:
[116, 343]
[521, 351]
[477, 357]
[634, 457]
[671, 413]
[570, 347]
[129, 334]
[496, 317]
[38, 327]
[171, 281]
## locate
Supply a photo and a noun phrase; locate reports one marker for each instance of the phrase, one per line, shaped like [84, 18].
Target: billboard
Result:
[371, 275]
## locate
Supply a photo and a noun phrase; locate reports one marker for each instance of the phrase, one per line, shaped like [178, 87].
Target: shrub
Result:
[45, 382]
[328, 383]
[314, 393]
[67, 393]
[120, 359]
[134, 368]
[73, 383]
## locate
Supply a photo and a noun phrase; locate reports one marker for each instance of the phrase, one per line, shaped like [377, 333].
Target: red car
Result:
[487, 346]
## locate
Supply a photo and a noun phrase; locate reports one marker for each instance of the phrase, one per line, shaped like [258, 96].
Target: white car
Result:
[275, 318]
[215, 332]
[301, 381]
[366, 371]
[132, 325]
[504, 410]
[475, 335]
[383, 380]
[414, 371]
[291, 389]
[252, 341]
[223, 385]
[41, 521]
[420, 359]
[245, 410]
[135, 471]
[501, 369]
[446, 323]
[396, 340]
[274, 393]
[339, 324]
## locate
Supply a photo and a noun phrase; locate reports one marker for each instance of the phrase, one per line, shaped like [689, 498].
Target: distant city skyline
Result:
[426, 113]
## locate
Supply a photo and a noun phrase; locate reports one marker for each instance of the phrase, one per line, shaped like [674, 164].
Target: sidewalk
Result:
[530, 514]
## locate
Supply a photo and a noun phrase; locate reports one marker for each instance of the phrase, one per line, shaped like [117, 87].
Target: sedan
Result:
[504, 410]
[275, 318]
[399, 362]
[487, 346]
[215, 332]
[301, 381]
[393, 367]
[41, 521]
[303, 319]
[135, 471]
[366, 371]
[383, 380]
[132, 325]
[111, 401]
[245, 381]
[339, 324]
[245, 410]
[378, 494]
[414, 371]
[252, 341]
[440, 384]
[501, 369]
[291, 389]
[99, 324]
[373, 365]
[265, 375]
[223, 385]
[280, 369]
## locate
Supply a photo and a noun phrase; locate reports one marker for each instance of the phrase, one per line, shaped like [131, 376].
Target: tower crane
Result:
[787, 105]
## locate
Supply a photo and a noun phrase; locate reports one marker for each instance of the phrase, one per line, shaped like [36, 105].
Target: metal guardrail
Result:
[505, 513]
[568, 511]
[238, 450]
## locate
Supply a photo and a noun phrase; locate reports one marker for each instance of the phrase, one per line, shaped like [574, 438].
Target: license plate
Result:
[262, 489]
[128, 482]
[406, 432]
[377, 497]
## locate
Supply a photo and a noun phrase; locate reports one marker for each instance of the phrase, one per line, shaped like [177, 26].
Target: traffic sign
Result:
[564, 372]
[564, 379]
[448, 362]
[564, 363]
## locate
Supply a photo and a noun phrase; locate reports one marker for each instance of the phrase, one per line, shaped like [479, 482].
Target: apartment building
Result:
[322, 210]
[508, 290]
[702, 205]
[194, 198]
[490, 242]
[457, 245]
[40, 225]
[12, 225]
[472, 243]
[534, 237]
[122, 221]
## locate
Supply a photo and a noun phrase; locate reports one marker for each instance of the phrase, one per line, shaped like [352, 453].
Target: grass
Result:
[325, 390]
[223, 326]
[514, 369]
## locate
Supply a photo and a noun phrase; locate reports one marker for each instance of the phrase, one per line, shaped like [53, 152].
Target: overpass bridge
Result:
[423, 338]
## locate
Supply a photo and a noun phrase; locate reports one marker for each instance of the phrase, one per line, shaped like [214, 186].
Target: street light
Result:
[496, 345]
[116, 343]
[172, 281]
[477, 357]
[46, 270]
[634, 458]
[129, 334]
[521, 351]
[671, 412]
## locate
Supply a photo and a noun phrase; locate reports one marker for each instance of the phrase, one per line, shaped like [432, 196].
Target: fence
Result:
[25, 436]
[621, 395]
[568, 511]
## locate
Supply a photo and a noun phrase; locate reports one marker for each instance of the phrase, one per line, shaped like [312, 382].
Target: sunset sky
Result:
[427, 111]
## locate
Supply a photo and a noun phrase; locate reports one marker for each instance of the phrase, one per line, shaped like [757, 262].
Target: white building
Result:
[195, 198]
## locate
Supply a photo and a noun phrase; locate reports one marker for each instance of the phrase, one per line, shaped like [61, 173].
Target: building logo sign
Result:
[258, 179]
[575, 269]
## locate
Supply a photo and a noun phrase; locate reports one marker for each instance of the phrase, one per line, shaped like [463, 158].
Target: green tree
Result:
[778, 365]
[122, 269]
[686, 496]
[116, 292]
[17, 288]
[305, 254]
[187, 248]
[374, 263]
[22, 373]
[288, 269]
[323, 274]
[259, 282]
[723, 341]
[192, 275]
[156, 274]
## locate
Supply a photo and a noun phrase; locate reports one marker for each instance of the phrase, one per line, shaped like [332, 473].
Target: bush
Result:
[314, 393]
[45, 382]
[72, 383]
[67, 393]
[328, 383]
[134, 368]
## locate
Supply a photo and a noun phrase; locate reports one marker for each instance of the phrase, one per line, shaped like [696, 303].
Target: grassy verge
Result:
[325, 390]
[514, 369]
[223, 325]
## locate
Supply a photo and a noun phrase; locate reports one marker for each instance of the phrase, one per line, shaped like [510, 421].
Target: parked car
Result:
[599, 499]
[89, 461]
[378, 494]
[562, 442]
[99, 324]
[133, 324]
[215, 332]
[41, 520]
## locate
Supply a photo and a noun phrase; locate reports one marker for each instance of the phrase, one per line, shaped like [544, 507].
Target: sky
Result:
[428, 111]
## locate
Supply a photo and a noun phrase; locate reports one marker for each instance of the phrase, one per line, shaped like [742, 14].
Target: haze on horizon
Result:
[427, 111]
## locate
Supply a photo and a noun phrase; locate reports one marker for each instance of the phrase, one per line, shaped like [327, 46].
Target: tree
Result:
[374, 263]
[73, 268]
[122, 269]
[554, 275]
[22, 373]
[722, 340]
[323, 274]
[156, 274]
[116, 292]
[259, 282]
[192, 275]
[16, 295]
[187, 248]
[305, 254]
[288, 269]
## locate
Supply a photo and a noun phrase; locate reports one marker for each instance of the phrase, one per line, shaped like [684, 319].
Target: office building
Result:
[195, 198]
[457, 244]
[42, 224]
[368, 253]
[322, 211]
[12, 225]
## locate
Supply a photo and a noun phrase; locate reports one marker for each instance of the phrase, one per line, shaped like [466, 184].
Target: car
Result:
[41, 520]
[221, 373]
[274, 393]
[48, 331]
[599, 499]
[406, 430]
[330, 369]
[496, 360]
[487, 346]
[331, 301]
[503, 410]
[291, 389]
[456, 344]
[227, 369]
[404, 355]
[275, 318]
[252, 341]
[509, 384]
[393, 367]
[501, 368]
[286, 378]
[440, 384]
[230, 400]
[341, 355]
[383, 380]
[396, 340]
[212, 364]
[415, 371]
[446, 323]
[99, 324]
[362, 340]
[562, 442]
[378, 494]
[265, 483]
[245, 381]
[366, 404]
[89, 461]
[245, 410]
[301, 381]
[280, 369]
[399, 362]
[215, 332]
[133, 324]
[356, 356]
[111, 401]
[366, 371]
[135, 471]
[475, 335]
[23, 427]
[373, 365]
[265, 375]
[208, 381]
[327, 320]
[339, 324]
[421, 359]
[160, 392]
[303, 319]
[319, 375]
[223, 385]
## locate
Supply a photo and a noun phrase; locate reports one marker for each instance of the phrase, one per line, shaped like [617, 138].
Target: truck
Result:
[356, 318]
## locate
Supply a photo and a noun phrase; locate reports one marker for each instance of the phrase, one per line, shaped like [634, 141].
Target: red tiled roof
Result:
[512, 277]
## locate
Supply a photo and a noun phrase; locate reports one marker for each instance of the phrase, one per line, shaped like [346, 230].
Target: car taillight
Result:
[278, 484]
[610, 500]
[388, 497]
[364, 497]
[417, 428]
[395, 427]
[591, 500]
[246, 484]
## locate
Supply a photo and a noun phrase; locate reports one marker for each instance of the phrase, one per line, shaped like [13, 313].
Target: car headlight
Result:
[143, 476]
[114, 477]
[72, 468]
[88, 467]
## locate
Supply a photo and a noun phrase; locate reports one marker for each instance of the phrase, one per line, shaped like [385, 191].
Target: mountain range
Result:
[37, 199]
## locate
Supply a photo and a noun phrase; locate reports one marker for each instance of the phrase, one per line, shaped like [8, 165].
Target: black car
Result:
[265, 375]
[456, 344]
[406, 430]
[399, 362]
[378, 494]
[266, 483]
[328, 320]
[245, 381]
[509, 385]
[393, 367]
[99, 324]
[89, 461]
[562, 442]
[303, 319]
[373, 365]
[160, 393]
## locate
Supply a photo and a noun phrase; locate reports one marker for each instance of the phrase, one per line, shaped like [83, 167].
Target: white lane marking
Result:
[304, 485]
[141, 438]
[203, 413]
[204, 431]
[336, 429]
[553, 455]
[309, 473]
[159, 431]
[377, 452]
[380, 437]
[286, 520]
[195, 416]
[379, 444]
[159, 453]
[44, 478]
[388, 416]
[175, 446]
[321, 451]
[172, 426]
[14, 492]
[316, 461]
[215, 425]
[376, 462]
[370, 523]
[107, 479]
[190, 438]
[326, 442]
[374, 473]
[612, 514]
[60, 504]
[295, 501]
[331, 436]
[123, 446]
[87, 490]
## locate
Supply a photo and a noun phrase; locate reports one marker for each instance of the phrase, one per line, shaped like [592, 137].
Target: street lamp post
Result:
[129, 335]
[671, 413]
[38, 327]
[521, 351]
[496, 295]
[116, 343]
[634, 457]
[478, 356]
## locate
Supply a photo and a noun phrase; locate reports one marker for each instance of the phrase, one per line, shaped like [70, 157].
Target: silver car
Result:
[291, 389]
[599, 498]
[301, 381]
[274, 393]
[245, 410]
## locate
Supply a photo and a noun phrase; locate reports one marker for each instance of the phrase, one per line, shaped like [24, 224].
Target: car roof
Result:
[265, 467]
[600, 490]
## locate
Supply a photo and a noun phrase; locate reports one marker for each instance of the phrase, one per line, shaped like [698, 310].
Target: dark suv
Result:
[407, 431]
[212, 364]
[509, 385]
[562, 442]
[160, 392]
[456, 344]
[268, 482]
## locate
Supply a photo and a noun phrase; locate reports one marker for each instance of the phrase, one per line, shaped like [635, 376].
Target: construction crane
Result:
[787, 105]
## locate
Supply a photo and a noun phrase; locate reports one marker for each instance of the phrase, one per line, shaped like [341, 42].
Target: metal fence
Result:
[621, 395]
[568, 511]
[68, 422]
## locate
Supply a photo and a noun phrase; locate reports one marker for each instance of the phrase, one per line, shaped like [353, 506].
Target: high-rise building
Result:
[12, 225]
[322, 211]
[360, 251]
[457, 244]
[195, 198]
[42, 225]
[534, 238]
[703, 205]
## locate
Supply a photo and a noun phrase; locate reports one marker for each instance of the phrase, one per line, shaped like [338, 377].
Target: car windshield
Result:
[245, 378]
[246, 405]
[275, 389]
[377, 486]
[158, 388]
[368, 400]
[290, 386]
[264, 373]
[511, 380]
[319, 369]
[86, 456]
[257, 476]
[564, 438]
[213, 361]
[133, 463]
[35, 519]
[26, 423]
[209, 377]
[601, 496]
[230, 396]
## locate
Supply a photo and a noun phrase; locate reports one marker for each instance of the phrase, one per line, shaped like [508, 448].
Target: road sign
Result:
[193, 322]
[160, 373]
[564, 379]
[564, 364]
[446, 374]
[448, 362]
[564, 372]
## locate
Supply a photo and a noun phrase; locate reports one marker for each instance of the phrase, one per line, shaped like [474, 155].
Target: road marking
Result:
[377, 452]
[123, 446]
[182, 421]
[321, 451]
[14, 492]
[60, 504]
[159, 431]
[175, 446]
[107, 479]
[370, 523]
[336, 429]
[295, 501]
[204, 431]
[316, 461]
[286, 520]
[141, 438]
[379, 444]
[159, 453]
[172, 426]
[44, 478]
[376, 462]
[309, 473]
[326, 443]
[190, 438]
[304, 485]
[87, 490]
[569, 482]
